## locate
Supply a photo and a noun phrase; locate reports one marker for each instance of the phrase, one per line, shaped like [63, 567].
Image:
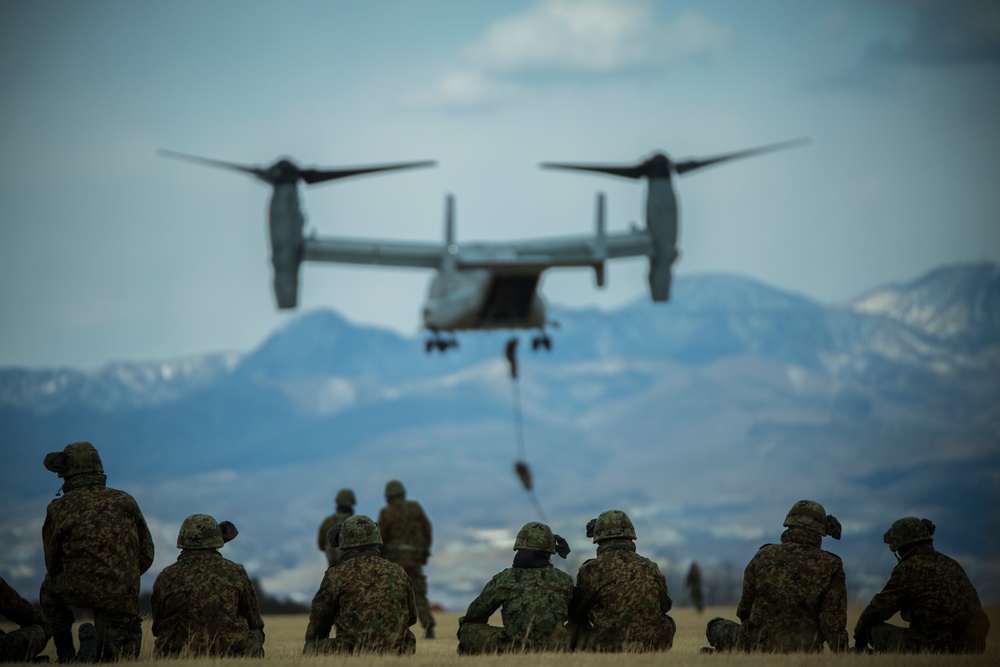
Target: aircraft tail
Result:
[450, 249]
[600, 242]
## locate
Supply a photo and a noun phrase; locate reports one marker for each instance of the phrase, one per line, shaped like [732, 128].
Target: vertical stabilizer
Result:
[600, 242]
[450, 248]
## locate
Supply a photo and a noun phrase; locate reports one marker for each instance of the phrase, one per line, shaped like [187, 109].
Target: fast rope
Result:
[521, 467]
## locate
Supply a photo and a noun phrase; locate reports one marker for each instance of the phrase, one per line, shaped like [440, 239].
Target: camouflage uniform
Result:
[620, 602]
[794, 593]
[407, 536]
[345, 502]
[96, 546]
[25, 643]
[534, 597]
[205, 604]
[367, 598]
[932, 592]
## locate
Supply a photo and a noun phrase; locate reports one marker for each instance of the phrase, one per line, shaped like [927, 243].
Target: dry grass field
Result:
[284, 646]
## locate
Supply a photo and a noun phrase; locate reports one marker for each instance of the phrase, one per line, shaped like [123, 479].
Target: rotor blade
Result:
[634, 171]
[685, 166]
[311, 176]
[255, 171]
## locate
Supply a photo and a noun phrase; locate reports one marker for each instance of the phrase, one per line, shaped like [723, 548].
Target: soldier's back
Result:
[330, 522]
[374, 601]
[203, 603]
[941, 603]
[402, 522]
[101, 553]
[790, 585]
[627, 600]
[535, 605]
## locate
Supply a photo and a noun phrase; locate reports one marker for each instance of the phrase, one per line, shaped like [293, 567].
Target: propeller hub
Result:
[658, 165]
[283, 171]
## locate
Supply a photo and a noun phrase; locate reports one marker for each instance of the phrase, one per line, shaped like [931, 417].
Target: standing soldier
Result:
[96, 546]
[30, 639]
[406, 532]
[533, 595]
[367, 598]
[345, 502]
[693, 586]
[620, 602]
[794, 593]
[205, 604]
[931, 592]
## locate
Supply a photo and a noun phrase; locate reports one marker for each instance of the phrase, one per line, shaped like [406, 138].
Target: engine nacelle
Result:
[661, 221]
[286, 223]
[660, 277]
[286, 278]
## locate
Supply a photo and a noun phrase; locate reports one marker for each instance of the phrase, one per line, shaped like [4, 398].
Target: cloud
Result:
[957, 32]
[935, 34]
[568, 39]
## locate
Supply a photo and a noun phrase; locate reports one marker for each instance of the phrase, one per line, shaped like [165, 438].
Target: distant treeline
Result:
[269, 605]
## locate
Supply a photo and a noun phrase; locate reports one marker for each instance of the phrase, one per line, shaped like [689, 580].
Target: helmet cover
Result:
[345, 497]
[76, 458]
[908, 530]
[809, 515]
[359, 531]
[612, 524]
[200, 531]
[535, 536]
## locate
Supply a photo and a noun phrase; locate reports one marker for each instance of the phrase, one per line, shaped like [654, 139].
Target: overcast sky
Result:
[108, 252]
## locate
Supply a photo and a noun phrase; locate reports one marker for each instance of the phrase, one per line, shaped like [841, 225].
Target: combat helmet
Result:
[535, 536]
[76, 458]
[807, 514]
[200, 531]
[359, 531]
[908, 530]
[394, 488]
[345, 497]
[612, 524]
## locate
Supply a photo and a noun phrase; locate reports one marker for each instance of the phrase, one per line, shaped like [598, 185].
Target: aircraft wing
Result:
[533, 255]
[376, 252]
[637, 243]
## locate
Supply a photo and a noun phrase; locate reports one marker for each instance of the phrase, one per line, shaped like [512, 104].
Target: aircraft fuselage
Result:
[484, 299]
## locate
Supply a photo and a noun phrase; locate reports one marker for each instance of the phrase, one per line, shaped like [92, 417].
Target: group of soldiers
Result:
[97, 545]
[404, 537]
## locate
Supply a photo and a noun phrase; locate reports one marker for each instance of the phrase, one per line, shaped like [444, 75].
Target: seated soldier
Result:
[620, 602]
[366, 597]
[931, 592]
[205, 604]
[533, 597]
[794, 593]
[23, 644]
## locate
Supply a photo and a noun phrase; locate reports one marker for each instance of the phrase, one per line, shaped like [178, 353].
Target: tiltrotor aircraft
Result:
[481, 285]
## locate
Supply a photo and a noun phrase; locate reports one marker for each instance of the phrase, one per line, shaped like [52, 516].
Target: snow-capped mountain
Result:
[115, 386]
[704, 418]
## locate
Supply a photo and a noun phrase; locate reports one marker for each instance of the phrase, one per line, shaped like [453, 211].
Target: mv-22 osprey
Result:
[482, 285]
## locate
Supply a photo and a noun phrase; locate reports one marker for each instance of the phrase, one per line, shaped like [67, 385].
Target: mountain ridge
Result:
[703, 418]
